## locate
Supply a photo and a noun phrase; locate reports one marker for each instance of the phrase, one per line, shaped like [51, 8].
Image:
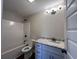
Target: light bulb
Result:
[47, 11]
[31, 1]
[11, 23]
[60, 7]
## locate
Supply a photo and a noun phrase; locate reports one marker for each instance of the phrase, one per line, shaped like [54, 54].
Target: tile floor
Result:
[22, 56]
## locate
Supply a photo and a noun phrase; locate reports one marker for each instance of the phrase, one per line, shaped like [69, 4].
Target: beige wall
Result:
[46, 25]
[11, 35]
[27, 32]
[12, 16]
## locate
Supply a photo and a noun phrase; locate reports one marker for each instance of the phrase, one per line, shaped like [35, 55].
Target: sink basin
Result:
[26, 49]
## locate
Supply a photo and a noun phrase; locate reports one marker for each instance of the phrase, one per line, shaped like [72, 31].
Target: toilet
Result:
[27, 52]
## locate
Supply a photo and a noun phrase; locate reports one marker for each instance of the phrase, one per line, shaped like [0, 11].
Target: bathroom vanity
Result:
[46, 49]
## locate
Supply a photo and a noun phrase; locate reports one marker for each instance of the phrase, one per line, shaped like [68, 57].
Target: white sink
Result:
[26, 49]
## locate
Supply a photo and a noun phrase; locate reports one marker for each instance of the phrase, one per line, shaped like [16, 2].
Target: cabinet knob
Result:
[37, 52]
[51, 57]
[38, 45]
[64, 51]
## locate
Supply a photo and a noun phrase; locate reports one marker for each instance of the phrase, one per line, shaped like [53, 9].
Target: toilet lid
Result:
[26, 49]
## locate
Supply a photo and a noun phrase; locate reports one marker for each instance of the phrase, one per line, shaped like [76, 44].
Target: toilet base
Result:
[27, 55]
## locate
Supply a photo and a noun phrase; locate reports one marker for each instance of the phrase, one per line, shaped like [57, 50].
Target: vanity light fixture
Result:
[31, 1]
[51, 11]
[60, 7]
[54, 10]
[47, 11]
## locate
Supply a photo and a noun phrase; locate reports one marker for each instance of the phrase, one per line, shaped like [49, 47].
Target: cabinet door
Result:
[45, 55]
[38, 54]
[38, 51]
[48, 55]
[51, 56]
[54, 56]
[53, 50]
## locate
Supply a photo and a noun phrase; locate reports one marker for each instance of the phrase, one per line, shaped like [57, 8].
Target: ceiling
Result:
[25, 8]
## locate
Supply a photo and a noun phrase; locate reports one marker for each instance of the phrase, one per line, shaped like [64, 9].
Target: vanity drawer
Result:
[38, 45]
[53, 49]
[38, 57]
[38, 48]
[38, 51]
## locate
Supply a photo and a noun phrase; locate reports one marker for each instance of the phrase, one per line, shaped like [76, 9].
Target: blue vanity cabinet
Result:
[43, 51]
[50, 55]
[38, 51]
[47, 55]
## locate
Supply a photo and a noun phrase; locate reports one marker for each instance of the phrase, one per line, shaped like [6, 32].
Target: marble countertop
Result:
[58, 44]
